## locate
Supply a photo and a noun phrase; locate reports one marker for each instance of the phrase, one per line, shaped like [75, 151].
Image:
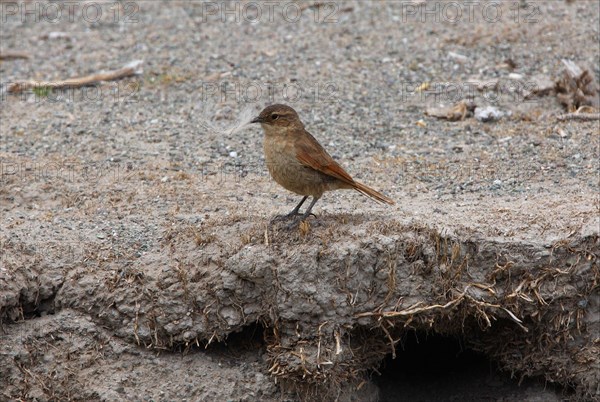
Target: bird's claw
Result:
[285, 217]
[297, 221]
[294, 216]
[292, 225]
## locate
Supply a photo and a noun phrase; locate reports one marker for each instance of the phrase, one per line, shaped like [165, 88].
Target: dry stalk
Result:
[13, 55]
[414, 310]
[392, 343]
[128, 70]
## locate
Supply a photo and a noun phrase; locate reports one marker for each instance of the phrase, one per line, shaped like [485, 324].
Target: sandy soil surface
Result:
[137, 257]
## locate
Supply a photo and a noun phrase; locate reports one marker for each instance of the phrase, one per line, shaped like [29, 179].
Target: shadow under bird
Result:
[298, 162]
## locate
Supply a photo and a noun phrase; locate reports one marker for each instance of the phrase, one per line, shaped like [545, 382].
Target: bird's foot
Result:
[293, 224]
[301, 221]
[280, 218]
[296, 216]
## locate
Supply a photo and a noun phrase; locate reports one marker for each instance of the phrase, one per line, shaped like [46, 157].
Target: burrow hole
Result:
[432, 367]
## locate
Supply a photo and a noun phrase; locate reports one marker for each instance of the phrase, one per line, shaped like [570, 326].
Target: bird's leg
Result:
[307, 213]
[295, 210]
[292, 214]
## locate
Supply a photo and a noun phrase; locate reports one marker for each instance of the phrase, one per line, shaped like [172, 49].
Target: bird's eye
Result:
[274, 116]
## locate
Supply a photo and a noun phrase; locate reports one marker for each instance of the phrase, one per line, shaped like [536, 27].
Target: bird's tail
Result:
[369, 192]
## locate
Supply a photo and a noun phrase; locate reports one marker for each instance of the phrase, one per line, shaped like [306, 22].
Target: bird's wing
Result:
[310, 153]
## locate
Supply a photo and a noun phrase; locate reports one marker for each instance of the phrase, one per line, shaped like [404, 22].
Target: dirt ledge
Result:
[337, 299]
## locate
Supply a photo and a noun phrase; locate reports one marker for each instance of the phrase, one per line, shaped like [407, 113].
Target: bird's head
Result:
[278, 116]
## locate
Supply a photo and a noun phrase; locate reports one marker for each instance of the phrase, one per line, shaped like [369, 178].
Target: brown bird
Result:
[298, 162]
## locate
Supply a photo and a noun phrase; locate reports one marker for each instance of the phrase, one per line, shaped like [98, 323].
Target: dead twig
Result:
[13, 55]
[417, 310]
[392, 343]
[412, 310]
[128, 70]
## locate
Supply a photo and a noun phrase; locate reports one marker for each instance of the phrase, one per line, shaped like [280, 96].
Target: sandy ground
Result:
[130, 208]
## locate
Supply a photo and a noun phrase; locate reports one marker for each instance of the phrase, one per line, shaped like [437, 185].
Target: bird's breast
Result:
[286, 170]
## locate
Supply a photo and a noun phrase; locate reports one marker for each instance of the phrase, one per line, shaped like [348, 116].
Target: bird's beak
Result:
[257, 120]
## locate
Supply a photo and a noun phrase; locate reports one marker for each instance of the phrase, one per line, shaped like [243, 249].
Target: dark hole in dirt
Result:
[41, 308]
[432, 367]
[249, 340]
[251, 337]
[248, 346]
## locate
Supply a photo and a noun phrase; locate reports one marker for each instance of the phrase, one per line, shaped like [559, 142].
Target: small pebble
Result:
[488, 113]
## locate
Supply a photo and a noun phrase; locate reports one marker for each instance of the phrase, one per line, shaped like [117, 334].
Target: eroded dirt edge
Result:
[334, 299]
